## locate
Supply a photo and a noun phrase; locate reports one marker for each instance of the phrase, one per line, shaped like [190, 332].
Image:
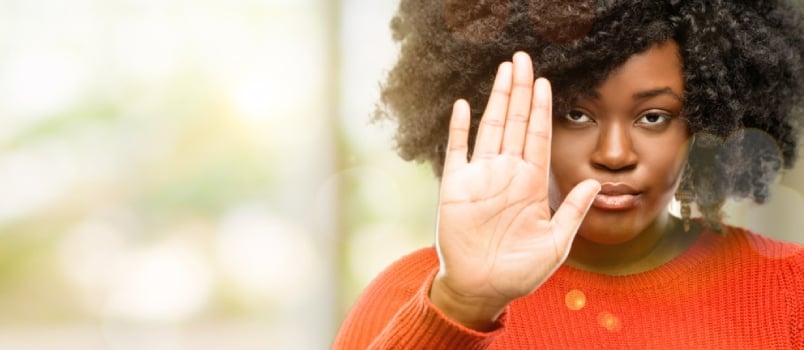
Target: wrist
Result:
[473, 312]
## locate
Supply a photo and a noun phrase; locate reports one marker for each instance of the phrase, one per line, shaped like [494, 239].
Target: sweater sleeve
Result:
[797, 302]
[395, 312]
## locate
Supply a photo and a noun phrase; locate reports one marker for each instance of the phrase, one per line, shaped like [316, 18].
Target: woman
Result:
[552, 223]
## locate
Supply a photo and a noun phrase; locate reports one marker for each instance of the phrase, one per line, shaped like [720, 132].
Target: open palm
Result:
[496, 238]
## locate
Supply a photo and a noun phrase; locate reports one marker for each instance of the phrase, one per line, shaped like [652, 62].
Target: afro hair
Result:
[742, 69]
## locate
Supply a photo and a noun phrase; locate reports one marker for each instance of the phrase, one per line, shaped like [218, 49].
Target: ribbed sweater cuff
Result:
[420, 325]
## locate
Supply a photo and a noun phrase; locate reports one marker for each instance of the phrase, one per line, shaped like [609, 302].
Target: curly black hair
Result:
[742, 68]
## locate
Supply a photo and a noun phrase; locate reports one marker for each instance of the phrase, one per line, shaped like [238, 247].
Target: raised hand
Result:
[496, 238]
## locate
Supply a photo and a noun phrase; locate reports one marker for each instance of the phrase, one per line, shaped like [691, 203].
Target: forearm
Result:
[416, 324]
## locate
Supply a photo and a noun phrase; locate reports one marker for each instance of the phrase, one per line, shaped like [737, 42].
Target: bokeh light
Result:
[157, 162]
[168, 283]
[609, 321]
[266, 257]
[575, 300]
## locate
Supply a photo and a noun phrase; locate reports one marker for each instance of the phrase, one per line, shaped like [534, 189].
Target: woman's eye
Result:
[578, 117]
[653, 119]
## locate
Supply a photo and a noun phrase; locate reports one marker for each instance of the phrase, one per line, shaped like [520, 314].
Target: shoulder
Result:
[765, 247]
[399, 281]
[788, 261]
[767, 254]
[384, 297]
[407, 273]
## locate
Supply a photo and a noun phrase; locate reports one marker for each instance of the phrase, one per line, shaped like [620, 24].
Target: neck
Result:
[661, 242]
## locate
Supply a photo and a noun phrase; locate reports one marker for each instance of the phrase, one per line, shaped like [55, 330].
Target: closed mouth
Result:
[616, 197]
[616, 189]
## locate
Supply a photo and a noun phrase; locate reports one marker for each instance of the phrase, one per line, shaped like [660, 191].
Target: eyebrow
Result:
[641, 95]
[657, 92]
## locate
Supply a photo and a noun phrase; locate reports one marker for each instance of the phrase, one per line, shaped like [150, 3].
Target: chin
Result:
[609, 229]
[607, 238]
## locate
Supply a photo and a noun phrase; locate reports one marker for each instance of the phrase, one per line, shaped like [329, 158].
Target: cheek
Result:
[554, 194]
[567, 158]
[668, 159]
[676, 158]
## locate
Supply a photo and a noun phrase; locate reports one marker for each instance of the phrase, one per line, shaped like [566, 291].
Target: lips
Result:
[616, 196]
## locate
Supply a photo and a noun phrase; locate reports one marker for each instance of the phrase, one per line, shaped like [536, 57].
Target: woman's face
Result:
[628, 135]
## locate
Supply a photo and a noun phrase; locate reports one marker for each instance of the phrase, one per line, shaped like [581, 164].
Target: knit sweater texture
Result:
[736, 290]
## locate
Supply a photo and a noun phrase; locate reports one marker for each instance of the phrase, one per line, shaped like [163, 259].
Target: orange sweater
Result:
[733, 291]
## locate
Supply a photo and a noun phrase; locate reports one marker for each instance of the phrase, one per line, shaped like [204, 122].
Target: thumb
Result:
[567, 219]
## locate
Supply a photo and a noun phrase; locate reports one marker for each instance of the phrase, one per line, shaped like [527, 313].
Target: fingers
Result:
[490, 132]
[571, 213]
[457, 145]
[517, 118]
[519, 106]
[540, 126]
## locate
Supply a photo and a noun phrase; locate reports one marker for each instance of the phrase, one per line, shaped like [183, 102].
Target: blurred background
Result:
[203, 174]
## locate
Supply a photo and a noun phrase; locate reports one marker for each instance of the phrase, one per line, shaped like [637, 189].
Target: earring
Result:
[684, 195]
[686, 212]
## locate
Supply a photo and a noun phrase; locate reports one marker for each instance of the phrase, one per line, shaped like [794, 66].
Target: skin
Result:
[524, 211]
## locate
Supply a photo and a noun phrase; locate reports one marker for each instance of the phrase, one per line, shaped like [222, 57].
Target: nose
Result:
[614, 150]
